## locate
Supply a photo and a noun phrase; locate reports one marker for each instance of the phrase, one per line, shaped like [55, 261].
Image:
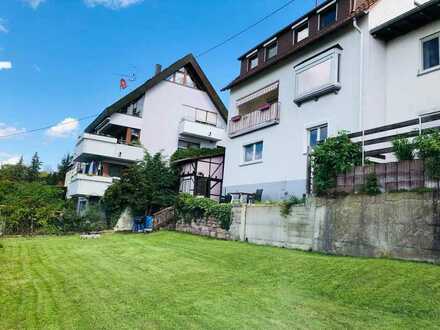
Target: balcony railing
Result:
[265, 116]
[91, 147]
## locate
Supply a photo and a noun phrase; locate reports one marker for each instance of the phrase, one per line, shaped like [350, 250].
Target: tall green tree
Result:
[145, 187]
[35, 167]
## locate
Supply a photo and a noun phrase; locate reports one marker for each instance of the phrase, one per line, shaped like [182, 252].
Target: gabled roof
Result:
[190, 63]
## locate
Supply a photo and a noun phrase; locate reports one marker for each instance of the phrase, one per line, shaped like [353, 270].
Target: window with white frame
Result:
[317, 135]
[317, 76]
[253, 152]
[431, 52]
[271, 50]
[252, 61]
[301, 32]
[328, 15]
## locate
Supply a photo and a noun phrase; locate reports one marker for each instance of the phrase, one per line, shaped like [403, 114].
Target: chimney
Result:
[157, 69]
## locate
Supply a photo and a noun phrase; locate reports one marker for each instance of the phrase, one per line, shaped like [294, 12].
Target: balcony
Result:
[119, 119]
[265, 116]
[88, 185]
[202, 124]
[95, 147]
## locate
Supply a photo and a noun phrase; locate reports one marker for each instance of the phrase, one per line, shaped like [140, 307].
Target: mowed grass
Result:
[169, 280]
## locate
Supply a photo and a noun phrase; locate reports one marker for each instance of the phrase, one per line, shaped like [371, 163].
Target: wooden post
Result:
[128, 136]
[105, 169]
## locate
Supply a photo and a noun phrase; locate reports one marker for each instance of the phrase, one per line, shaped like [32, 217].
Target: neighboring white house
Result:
[346, 65]
[176, 108]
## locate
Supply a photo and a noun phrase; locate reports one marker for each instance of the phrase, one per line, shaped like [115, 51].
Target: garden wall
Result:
[202, 227]
[397, 225]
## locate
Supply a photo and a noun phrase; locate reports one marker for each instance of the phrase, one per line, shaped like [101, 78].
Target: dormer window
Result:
[252, 61]
[271, 49]
[301, 32]
[328, 15]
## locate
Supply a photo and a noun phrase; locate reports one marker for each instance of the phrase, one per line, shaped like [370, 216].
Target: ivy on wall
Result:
[189, 208]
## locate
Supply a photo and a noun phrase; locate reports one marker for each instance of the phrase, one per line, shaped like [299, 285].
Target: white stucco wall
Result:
[164, 109]
[408, 93]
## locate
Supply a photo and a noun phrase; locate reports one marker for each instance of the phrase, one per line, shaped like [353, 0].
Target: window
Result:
[182, 144]
[317, 76]
[135, 108]
[182, 77]
[328, 16]
[253, 152]
[300, 33]
[430, 52]
[317, 135]
[252, 62]
[271, 50]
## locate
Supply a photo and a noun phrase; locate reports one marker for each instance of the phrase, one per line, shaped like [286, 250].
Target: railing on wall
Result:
[263, 117]
[377, 147]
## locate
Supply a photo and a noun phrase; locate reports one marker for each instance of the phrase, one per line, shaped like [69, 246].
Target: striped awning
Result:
[257, 94]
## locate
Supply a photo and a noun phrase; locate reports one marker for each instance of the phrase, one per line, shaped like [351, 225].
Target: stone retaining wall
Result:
[208, 227]
[397, 225]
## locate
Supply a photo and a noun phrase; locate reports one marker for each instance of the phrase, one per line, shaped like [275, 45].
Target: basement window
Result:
[317, 76]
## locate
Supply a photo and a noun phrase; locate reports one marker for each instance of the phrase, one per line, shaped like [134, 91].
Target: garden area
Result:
[169, 280]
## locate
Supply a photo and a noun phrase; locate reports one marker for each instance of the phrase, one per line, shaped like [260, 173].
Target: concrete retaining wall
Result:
[399, 225]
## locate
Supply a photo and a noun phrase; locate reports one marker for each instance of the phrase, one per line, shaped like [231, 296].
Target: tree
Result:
[34, 169]
[63, 166]
[28, 206]
[17, 172]
[144, 187]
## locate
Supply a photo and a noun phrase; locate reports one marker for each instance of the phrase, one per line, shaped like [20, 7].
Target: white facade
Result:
[388, 88]
[169, 115]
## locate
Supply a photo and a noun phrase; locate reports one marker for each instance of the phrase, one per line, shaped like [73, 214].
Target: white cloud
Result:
[7, 159]
[3, 27]
[64, 128]
[112, 4]
[9, 131]
[34, 3]
[5, 65]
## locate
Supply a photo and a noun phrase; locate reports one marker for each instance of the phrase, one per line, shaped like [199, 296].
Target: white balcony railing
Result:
[202, 124]
[88, 185]
[254, 120]
[89, 146]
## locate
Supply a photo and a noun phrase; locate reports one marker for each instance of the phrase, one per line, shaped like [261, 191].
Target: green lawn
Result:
[168, 280]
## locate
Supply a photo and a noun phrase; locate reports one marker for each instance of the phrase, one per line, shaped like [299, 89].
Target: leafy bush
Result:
[28, 207]
[145, 187]
[334, 156]
[189, 208]
[371, 185]
[403, 149]
[93, 219]
[428, 146]
[196, 152]
[286, 206]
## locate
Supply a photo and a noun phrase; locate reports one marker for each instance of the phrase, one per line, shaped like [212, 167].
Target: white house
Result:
[346, 65]
[176, 108]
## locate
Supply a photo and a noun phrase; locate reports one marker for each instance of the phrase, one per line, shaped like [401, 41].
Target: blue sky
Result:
[60, 59]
